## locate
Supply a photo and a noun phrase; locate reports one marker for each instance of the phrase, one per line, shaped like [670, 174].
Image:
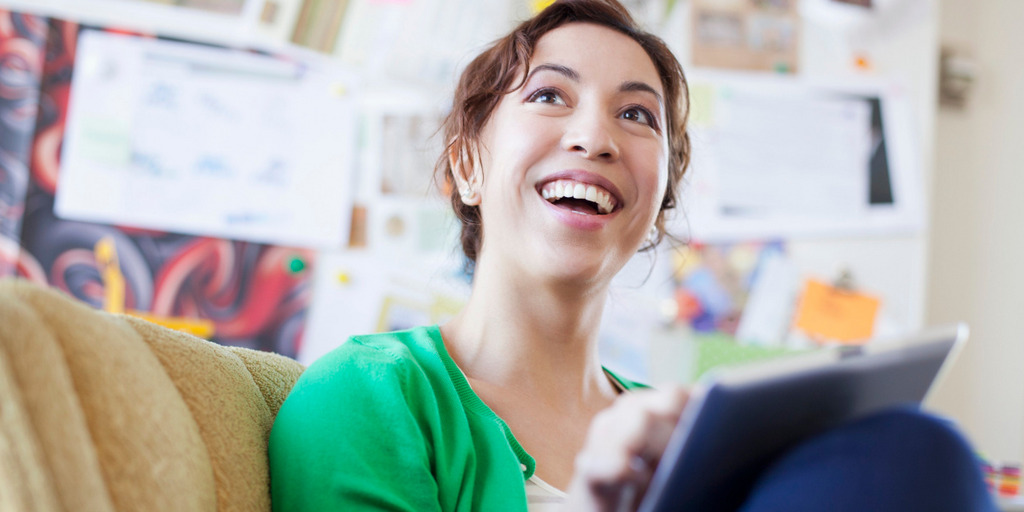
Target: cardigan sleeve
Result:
[352, 435]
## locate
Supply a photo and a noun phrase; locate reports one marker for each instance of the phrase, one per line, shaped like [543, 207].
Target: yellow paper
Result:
[702, 104]
[114, 291]
[110, 273]
[539, 5]
[200, 327]
[827, 313]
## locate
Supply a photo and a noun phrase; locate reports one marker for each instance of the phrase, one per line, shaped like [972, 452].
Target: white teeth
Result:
[604, 204]
[574, 190]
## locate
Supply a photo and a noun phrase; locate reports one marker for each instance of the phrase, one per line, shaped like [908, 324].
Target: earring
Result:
[469, 196]
[652, 235]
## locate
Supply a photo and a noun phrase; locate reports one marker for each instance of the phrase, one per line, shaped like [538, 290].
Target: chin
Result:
[582, 266]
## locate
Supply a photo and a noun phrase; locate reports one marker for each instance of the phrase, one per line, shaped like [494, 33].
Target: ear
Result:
[455, 161]
[467, 176]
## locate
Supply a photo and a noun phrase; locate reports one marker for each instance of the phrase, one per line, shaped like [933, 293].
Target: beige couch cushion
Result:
[104, 412]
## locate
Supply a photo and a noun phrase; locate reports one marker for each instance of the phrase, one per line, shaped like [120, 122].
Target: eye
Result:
[549, 96]
[640, 115]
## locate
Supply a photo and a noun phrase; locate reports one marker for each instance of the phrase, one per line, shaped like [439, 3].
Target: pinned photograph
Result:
[751, 35]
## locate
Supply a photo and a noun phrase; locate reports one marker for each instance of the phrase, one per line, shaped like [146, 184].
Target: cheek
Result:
[516, 145]
[653, 176]
[519, 136]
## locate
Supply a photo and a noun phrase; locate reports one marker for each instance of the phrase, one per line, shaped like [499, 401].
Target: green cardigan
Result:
[388, 421]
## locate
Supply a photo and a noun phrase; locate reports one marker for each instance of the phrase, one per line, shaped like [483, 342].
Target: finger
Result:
[621, 492]
[635, 427]
[623, 446]
[668, 401]
[643, 422]
[626, 498]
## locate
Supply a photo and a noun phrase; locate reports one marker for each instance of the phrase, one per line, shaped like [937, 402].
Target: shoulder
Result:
[371, 403]
[376, 357]
[368, 379]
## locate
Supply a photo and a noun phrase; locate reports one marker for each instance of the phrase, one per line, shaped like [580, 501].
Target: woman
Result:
[567, 142]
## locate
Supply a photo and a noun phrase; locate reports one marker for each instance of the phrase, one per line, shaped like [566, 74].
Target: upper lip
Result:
[585, 177]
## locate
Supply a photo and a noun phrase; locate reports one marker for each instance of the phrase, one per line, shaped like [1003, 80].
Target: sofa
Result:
[102, 412]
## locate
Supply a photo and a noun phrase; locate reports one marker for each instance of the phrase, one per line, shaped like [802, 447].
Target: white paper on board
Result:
[348, 288]
[208, 141]
[778, 157]
[768, 313]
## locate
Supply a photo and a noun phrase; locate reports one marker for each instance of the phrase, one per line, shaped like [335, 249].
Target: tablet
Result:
[738, 420]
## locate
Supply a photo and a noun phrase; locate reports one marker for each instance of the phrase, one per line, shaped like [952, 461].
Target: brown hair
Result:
[491, 75]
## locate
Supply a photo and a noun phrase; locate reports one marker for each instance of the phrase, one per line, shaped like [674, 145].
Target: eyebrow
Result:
[641, 87]
[572, 74]
[568, 72]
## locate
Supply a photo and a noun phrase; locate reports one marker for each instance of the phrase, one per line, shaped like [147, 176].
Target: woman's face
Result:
[574, 163]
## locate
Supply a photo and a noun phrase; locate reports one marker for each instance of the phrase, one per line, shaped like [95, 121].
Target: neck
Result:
[533, 336]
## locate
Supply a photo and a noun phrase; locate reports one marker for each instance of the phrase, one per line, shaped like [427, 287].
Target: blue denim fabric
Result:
[898, 460]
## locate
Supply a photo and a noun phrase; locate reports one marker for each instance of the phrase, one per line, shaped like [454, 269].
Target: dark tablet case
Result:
[745, 419]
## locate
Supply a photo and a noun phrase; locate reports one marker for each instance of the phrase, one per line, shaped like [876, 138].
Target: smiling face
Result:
[573, 165]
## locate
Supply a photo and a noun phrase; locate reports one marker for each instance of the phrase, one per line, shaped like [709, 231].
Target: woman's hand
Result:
[623, 446]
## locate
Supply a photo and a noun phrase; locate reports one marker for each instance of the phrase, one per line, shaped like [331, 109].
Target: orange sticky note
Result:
[828, 313]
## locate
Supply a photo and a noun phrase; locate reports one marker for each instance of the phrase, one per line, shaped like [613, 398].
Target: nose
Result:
[590, 135]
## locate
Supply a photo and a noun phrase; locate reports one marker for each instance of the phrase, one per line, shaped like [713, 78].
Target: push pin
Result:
[343, 277]
[295, 265]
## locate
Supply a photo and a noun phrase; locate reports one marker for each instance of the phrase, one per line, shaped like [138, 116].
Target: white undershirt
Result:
[542, 496]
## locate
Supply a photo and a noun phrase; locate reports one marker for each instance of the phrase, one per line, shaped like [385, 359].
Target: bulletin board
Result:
[256, 295]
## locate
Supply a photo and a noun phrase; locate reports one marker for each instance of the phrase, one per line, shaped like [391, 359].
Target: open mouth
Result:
[583, 198]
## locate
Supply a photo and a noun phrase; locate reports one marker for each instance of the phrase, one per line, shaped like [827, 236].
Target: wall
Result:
[976, 246]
